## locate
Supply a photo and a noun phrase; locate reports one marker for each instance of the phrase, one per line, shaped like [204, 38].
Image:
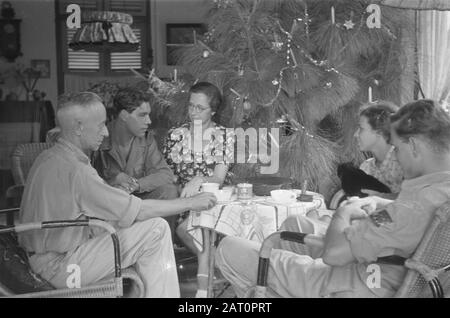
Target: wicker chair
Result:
[428, 272]
[113, 287]
[22, 159]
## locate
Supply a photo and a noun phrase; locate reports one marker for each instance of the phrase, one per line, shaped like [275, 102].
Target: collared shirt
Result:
[145, 162]
[62, 185]
[389, 171]
[396, 231]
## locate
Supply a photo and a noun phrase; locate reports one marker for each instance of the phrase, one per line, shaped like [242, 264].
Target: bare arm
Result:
[155, 208]
[337, 250]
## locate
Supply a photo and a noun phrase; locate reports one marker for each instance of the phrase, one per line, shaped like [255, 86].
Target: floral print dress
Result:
[389, 171]
[187, 164]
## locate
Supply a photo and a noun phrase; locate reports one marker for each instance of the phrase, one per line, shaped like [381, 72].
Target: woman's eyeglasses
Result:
[198, 108]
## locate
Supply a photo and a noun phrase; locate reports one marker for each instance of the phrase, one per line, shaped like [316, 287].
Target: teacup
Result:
[223, 195]
[283, 196]
[210, 187]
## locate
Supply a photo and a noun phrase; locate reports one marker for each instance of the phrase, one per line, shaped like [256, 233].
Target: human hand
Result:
[120, 178]
[372, 193]
[368, 204]
[192, 187]
[129, 187]
[202, 201]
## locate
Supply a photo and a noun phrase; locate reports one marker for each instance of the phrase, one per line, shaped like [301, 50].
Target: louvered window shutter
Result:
[81, 60]
[127, 60]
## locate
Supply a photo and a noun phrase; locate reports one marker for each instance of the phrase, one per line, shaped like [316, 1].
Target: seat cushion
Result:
[15, 271]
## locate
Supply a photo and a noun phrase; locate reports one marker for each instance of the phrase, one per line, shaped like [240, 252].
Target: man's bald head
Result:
[82, 117]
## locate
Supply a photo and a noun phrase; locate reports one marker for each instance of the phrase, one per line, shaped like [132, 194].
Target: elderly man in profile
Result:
[62, 185]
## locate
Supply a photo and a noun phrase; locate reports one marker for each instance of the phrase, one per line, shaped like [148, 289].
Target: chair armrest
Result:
[266, 249]
[11, 210]
[71, 223]
[9, 215]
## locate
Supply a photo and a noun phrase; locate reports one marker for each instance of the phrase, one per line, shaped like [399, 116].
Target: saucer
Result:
[270, 200]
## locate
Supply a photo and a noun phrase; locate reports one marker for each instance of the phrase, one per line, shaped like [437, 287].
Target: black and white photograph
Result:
[225, 150]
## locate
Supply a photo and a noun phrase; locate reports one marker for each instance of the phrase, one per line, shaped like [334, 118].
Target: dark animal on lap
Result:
[353, 180]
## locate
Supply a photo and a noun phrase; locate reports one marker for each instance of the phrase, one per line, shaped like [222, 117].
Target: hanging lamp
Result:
[105, 30]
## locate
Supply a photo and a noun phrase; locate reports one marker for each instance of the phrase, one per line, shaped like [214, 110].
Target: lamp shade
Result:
[418, 4]
[105, 30]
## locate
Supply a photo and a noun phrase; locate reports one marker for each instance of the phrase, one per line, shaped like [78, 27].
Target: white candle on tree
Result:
[370, 94]
[332, 15]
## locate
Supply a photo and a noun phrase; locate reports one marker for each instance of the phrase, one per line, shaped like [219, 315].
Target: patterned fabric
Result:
[389, 171]
[186, 164]
[105, 29]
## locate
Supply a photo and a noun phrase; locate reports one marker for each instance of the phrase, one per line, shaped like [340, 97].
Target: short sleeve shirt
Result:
[62, 185]
[398, 229]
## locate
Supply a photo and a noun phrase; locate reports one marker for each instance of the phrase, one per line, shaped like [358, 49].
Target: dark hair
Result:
[212, 92]
[378, 116]
[129, 98]
[424, 118]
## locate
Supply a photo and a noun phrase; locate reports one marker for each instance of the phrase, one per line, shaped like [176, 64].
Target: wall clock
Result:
[10, 39]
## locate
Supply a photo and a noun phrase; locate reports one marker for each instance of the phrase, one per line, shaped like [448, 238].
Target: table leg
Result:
[212, 252]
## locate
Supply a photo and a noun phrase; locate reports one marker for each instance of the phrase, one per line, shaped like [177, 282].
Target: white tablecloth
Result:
[253, 220]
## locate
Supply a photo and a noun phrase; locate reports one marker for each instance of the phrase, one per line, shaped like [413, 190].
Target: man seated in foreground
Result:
[62, 185]
[362, 231]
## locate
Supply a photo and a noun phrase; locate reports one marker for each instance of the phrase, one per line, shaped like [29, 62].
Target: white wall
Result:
[38, 40]
[172, 11]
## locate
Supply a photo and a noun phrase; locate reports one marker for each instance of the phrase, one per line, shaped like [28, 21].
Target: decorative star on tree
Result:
[349, 24]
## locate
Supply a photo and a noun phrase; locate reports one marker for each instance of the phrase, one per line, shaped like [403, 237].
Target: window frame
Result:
[139, 21]
[169, 44]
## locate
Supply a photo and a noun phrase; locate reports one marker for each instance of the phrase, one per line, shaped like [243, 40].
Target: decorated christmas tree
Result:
[305, 67]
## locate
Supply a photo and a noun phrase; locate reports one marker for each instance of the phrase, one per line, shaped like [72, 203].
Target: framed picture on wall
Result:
[179, 35]
[43, 66]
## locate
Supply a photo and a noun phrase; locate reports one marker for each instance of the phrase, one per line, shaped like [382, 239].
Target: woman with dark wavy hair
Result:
[193, 167]
[373, 135]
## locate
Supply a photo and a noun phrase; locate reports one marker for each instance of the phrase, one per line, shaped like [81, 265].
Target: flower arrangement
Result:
[29, 77]
[17, 76]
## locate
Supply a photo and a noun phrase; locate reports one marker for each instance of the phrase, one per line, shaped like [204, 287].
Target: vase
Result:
[29, 96]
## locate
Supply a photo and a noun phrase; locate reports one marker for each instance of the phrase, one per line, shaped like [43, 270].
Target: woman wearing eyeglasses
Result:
[198, 152]
[373, 135]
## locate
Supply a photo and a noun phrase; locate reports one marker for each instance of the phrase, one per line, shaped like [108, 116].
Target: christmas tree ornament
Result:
[282, 120]
[246, 104]
[277, 46]
[307, 21]
[240, 70]
[349, 24]
[205, 54]
[329, 84]
[275, 82]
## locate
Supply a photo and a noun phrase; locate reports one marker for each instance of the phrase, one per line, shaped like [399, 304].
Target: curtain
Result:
[433, 46]
[418, 4]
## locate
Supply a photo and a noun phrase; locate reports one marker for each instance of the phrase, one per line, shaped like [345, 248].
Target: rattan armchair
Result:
[22, 159]
[428, 272]
[113, 287]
